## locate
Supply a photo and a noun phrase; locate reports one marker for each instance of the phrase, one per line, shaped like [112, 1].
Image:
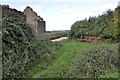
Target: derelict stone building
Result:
[29, 16]
[38, 24]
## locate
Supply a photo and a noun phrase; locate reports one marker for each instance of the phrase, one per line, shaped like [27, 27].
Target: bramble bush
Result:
[97, 61]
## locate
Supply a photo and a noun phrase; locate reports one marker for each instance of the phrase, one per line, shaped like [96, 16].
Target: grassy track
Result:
[64, 61]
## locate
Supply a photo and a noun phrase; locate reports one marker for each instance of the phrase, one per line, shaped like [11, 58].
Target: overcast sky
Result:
[61, 14]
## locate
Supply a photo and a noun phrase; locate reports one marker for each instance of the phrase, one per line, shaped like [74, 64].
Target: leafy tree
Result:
[105, 25]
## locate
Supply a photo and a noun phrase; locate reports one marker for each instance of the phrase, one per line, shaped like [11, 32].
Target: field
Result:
[72, 60]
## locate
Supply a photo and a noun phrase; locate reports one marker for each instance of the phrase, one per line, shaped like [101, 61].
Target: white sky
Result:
[61, 14]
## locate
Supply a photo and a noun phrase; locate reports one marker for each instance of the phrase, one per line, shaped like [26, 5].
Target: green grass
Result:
[64, 61]
[61, 62]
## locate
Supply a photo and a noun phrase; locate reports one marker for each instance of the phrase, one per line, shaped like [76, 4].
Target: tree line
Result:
[105, 25]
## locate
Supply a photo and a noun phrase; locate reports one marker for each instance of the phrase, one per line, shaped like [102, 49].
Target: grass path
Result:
[63, 62]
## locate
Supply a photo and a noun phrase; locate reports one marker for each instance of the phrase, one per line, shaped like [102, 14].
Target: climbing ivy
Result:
[20, 51]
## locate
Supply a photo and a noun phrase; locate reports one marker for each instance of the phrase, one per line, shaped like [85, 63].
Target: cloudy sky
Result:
[61, 14]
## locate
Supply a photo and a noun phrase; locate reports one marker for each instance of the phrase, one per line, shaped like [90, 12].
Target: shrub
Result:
[98, 61]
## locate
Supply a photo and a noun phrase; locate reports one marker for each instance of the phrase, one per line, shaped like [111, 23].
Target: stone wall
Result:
[28, 15]
[41, 30]
[8, 12]
[38, 24]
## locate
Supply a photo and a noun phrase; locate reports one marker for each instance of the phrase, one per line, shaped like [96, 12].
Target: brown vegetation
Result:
[89, 39]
